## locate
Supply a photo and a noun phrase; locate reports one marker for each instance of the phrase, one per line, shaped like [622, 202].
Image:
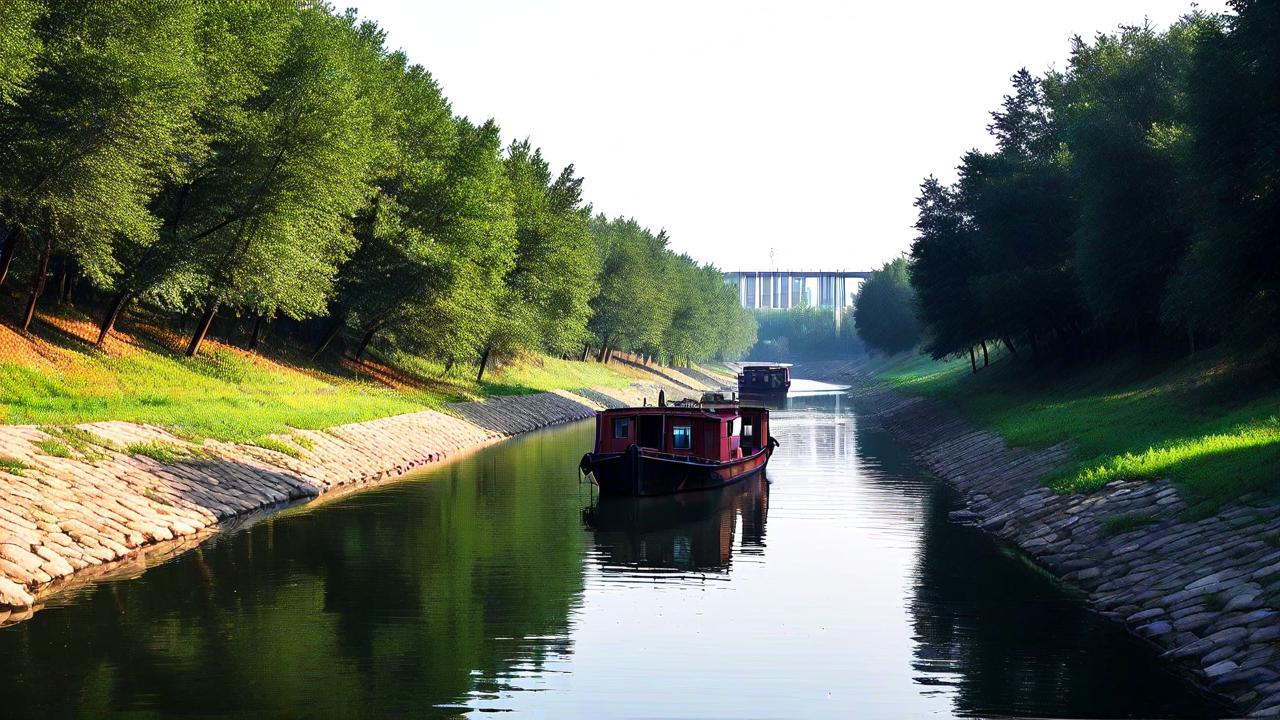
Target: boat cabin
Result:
[764, 378]
[717, 434]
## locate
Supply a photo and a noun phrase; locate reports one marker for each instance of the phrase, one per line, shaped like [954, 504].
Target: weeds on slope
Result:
[1208, 423]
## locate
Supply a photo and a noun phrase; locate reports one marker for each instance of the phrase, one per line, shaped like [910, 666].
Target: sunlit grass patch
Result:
[233, 395]
[53, 448]
[1187, 458]
[278, 446]
[82, 441]
[159, 451]
[1206, 423]
[12, 465]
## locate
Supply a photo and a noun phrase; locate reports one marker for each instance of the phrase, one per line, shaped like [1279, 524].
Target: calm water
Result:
[838, 589]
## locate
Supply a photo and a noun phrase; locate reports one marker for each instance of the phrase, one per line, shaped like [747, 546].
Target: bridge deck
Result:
[783, 289]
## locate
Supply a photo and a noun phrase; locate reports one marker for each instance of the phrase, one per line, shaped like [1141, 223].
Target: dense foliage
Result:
[663, 305]
[804, 333]
[273, 160]
[1131, 200]
[884, 309]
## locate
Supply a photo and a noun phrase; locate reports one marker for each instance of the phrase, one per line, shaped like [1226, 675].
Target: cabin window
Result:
[746, 430]
[681, 437]
[733, 427]
[622, 428]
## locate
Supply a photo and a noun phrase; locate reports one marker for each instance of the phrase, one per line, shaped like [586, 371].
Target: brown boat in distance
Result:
[689, 445]
[764, 381]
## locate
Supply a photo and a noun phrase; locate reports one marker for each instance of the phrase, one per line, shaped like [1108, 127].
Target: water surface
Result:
[497, 583]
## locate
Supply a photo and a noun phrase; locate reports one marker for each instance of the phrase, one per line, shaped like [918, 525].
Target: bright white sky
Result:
[745, 128]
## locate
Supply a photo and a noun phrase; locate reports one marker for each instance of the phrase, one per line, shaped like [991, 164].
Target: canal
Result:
[497, 583]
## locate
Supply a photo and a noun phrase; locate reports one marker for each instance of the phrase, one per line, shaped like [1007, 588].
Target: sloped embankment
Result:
[77, 504]
[1206, 591]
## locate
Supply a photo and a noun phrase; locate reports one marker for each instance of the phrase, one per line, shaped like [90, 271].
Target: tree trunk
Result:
[448, 366]
[604, 348]
[973, 361]
[202, 329]
[586, 348]
[118, 304]
[484, 360]
[1008, 342]
[338, 323]
[364, 341]
[985, 360]
[37, 285]
[257, 332]
[10, 249]
[64, 282]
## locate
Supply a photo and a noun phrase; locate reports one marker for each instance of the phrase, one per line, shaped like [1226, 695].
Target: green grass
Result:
[1207, 423]
[226, 396]
[53, 448]
[82, 441]
[546, 374]
[527, 375]
[167, 453]
[1125, 522]
[233, 396]
[278, 446]
[12, 465]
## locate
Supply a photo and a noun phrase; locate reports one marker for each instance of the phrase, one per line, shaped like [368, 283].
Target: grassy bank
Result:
[1211, 424]
[56, 378]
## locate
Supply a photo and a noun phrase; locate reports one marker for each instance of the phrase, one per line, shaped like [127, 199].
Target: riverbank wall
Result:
[112, 497]
[1204, 591]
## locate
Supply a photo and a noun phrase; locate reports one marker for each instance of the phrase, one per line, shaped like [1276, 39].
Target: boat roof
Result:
[767, 366]
[719, 411]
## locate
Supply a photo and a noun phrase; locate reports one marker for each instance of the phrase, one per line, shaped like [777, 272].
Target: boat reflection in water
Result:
[801, 395]
[685, 532]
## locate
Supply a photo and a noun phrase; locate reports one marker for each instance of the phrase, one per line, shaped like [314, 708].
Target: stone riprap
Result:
[1205, 592]
[109, 501]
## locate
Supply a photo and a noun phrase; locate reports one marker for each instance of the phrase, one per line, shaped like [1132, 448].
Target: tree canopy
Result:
[274, 161]
[884, 309]
[1130, 201]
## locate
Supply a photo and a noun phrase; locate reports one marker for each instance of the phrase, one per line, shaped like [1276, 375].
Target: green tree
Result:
[1019, 204]
[439, 238]
[944, 258]
[632, 309]
[99, 127]
[19, 46]
[1229, 283]
[274, 206]
[884, 309]
[548, 290]
[239, 47]
[1121, 105]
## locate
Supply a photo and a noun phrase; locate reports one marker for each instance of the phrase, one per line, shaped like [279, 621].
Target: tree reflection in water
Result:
[479, 589]
[406, 600]
[1003, 637]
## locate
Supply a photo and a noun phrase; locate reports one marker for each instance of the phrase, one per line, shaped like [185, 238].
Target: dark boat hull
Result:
[774, 400]
[636, 472]
[746, 388]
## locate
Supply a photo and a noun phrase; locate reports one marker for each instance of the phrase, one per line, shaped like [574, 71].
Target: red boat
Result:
[677, 448]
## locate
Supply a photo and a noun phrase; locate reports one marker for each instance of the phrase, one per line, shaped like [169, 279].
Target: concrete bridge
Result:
[784, 289]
